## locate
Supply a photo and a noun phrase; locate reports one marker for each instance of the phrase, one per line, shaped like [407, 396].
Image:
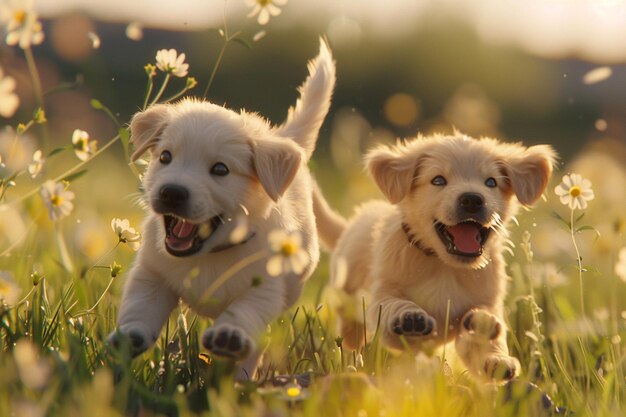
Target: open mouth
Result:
[183, 238]
[466, 239]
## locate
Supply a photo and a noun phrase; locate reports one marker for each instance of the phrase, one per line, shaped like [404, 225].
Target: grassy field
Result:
[62, 267]
[55, 363]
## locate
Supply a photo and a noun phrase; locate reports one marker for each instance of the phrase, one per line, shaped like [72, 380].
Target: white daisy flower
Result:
[16, 150]
[22, 24]
[265, 9]
[83, 146]
[288, 253]
[34, 371]
[35, 167]
[125, 233]
[9, 101]
[259, 35]
[575, 191]
[57, 199]
[9, 290]
[168, 60]
[620, 266]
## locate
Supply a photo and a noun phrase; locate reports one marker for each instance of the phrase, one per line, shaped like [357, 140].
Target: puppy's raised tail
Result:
[306, 117]
[330, 224]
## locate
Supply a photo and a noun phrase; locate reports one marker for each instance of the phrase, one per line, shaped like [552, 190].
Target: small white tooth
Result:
[205, 230]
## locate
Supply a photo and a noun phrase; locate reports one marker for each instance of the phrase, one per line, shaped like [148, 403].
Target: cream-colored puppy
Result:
[218, 183]
[438, 240]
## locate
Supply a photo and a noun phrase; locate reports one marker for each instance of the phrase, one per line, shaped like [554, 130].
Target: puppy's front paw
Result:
[482, 324]
[228, 341]
[136, 337]
[501, 367]
[413, 323]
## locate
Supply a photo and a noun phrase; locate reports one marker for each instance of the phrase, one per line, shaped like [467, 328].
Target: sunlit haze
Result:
[592, 29]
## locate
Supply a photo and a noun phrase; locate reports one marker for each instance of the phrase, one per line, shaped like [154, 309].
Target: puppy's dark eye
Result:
[220, 169]
[491, 182]
[439, 181]
[165, 157]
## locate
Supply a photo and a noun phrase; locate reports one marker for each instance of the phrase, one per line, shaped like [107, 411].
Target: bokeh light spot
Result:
[601, 125]
[597, 75]
[70, 37]
[402, 109]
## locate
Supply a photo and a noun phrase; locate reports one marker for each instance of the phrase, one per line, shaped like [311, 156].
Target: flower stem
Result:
[36, 80]
[162, 89]
[106, 290]
[226, 275]
[27, 296]
[71, 170]
[578, 264]
[14, 143]
[95, 264]
[66, 261]
[149, 88]
[113, 118]
[177, 95]
[34, 74]
[216, 66]
[220, 56]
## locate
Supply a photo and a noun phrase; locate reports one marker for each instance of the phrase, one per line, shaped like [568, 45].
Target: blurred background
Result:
[547, 71]
[506, 68]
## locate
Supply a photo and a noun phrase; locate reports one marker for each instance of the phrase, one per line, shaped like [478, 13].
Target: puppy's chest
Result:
[204, 287]
[434, 295]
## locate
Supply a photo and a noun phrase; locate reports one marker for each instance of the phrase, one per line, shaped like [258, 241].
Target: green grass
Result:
[577, 361]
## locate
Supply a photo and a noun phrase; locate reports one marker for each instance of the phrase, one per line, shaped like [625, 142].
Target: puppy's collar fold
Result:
[416, 243]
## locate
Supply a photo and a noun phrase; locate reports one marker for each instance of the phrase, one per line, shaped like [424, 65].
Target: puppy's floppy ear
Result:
[392, 171]
[145, 128]
[529, 172]
[276, 161]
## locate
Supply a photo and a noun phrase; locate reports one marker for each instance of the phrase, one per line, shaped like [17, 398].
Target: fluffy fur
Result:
[217, 184]
[437, 240]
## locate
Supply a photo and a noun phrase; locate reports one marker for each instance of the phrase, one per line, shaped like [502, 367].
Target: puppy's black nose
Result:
[471, 202]
[173, 195]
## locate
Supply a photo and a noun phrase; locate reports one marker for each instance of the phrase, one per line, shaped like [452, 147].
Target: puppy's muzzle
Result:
[182, 237]
[470, 204]
[173, 197]
[468, 236]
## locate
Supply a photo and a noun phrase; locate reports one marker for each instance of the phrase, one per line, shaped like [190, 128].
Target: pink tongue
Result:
[183, 229]
[180, 237]
[178, 244]
[466, 237]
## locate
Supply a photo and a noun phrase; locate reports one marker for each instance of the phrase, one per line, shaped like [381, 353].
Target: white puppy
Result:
[438, 240]
[218, 183]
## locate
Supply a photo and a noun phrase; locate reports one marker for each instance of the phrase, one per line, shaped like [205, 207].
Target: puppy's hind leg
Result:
[146, 304]
[481, 344]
